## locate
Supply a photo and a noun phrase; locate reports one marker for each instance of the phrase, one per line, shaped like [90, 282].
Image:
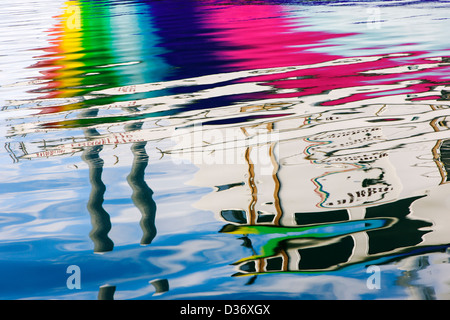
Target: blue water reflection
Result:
[202, 150]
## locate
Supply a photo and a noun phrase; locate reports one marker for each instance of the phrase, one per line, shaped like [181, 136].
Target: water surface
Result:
[206, 150]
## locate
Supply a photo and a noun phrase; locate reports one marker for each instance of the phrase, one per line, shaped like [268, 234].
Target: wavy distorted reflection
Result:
[100, 218]
[78, 52]
[317, 162]
[142, 194]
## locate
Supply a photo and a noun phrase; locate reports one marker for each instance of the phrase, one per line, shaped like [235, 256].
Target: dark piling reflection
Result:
[100, 219]
[106, 292]
[142, 194]
[161, 286]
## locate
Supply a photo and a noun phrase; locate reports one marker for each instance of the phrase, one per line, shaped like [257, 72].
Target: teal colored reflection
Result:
[135, 41]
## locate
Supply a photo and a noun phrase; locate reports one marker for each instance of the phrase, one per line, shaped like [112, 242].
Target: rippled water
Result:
[205, 150]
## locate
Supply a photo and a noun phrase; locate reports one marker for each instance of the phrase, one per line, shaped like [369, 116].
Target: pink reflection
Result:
[263, 36]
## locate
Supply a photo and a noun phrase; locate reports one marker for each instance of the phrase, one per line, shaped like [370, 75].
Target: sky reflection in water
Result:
[186, 149]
